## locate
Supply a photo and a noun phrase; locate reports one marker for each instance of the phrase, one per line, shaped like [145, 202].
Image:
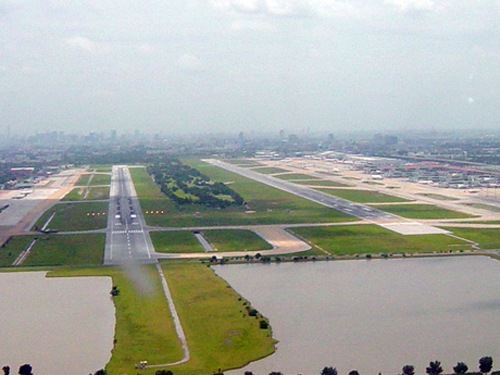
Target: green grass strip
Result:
[182, 241]
[320, 183]
[270, 170]
[68, 250]
[236, 240]
[144, 327]
[361, 239]
[296, 176]
[363, 196]
[10, 250]
[423, 211]
[75, 216]
[100, 179]
[488, 238]
[219, 332]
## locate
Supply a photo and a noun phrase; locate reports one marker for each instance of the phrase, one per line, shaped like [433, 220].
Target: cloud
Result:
[85, 44]
[252, 25]
[190, 63]
[414, 6]
[270, 7]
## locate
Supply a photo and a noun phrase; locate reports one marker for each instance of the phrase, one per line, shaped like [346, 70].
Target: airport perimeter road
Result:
[126, 239]
[355, 209]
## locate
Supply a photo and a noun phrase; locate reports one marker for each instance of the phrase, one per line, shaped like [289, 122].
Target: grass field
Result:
[320, 183]
[270, 170]
[219, 332]
[423, 211]
[361, 239]
[182, 241]
[244, 163]
[69, 250]
[73, 216]
[488, 238]
[296, 176]
[236, 240]
[11, 250]
[144, 328]
[483, 206]
[438, 196]
[100, 179]
[267, 205]
[363, 196]
[81, 193]
[84, 179]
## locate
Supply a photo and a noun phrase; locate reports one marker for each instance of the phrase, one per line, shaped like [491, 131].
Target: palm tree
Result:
[461, 368]
[408, 370]
[329, 371]
[485, 364]
[434, 368]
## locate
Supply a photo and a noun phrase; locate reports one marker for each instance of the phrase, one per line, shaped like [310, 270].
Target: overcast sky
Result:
[235, 65]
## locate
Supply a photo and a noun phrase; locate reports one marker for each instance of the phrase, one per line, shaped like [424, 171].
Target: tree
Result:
[329, 371]
[485, 364]
[164, 372]
[408, 370]
[353, 372]
[101, 372]
[434, 368]
[25, 369]
[275, 373]
[114, 291]
[6, 370]
[248, 373]
[461, 368]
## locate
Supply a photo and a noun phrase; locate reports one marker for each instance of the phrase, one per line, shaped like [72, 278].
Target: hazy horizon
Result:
[242, 65]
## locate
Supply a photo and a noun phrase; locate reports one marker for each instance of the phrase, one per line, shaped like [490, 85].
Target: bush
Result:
[263, 324]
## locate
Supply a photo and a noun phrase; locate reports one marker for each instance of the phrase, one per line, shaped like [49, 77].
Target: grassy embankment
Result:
[144, 327]
[75, 216]
[423, 211]
[267, 205]
[488, 238]
[363, 196]
[222, 240]
[364, 239]
[219, 332]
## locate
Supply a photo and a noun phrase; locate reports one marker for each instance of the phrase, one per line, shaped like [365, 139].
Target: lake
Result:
[374, 315]
[61, 326]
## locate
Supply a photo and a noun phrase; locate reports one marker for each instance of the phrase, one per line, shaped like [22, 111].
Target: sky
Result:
[198, 66]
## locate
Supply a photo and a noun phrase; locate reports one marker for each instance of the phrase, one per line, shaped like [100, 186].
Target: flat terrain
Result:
[182, 241]
[363, 196]
[423, 211]
[236, 240]
[487, 238]
[219, 331]
[296, 176]
[10, 250]
[267, 170]
[85, 193]
[68, 250]
[265, 204]
[75, 216]
[361, 239]
[327, 183]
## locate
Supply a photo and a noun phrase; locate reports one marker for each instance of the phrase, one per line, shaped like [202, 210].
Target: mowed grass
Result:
[75, 216]
[68, 250]
[488, 238]
[144, 327]
[182, 241]
[266, 205]
[82, 193]
[84, 179]
[363, 196]
[244, 163]
[483, 206]
[100, 179]
[219, 332]
[361, 239]
[236, 240]
[10, 251]
[438, 196]
[423, 211]
[296, 176]
[270, 170]
[326, 183]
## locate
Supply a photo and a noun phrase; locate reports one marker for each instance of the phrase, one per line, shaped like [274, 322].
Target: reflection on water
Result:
[61, 326]
[374, 316]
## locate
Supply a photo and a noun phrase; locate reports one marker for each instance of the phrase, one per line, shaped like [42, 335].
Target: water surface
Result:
[374, 316]
[61, 326]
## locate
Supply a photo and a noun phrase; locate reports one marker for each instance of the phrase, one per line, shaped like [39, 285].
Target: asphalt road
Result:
[126, 238]
[355, 209]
